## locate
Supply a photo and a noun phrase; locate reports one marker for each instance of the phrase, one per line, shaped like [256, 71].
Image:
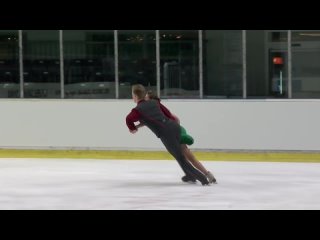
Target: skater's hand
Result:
[139, 125]
[133, 131]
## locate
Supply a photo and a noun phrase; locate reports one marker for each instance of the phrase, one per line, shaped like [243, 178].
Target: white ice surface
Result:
[143, 184]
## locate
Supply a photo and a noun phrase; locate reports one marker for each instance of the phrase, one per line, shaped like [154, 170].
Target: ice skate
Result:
[211, 178]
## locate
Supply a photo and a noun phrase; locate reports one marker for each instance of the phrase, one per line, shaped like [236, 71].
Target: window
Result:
[222, 63]
[137, 60]
[179, 63]
[267, 64]
[9, 64]
[306, 64]
[89, 64]
[41, 64]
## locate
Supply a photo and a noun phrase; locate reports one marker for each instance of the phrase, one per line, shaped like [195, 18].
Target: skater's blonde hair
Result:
[139, 91]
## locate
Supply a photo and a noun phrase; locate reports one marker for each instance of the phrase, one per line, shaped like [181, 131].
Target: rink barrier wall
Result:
[227, 124]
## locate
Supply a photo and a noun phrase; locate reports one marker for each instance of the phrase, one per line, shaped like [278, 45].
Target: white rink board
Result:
[214, 124]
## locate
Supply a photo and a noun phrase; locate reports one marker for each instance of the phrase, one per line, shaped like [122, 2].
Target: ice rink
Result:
[142, 184]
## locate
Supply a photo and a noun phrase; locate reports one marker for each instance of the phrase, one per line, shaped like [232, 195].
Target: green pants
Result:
[185, 138]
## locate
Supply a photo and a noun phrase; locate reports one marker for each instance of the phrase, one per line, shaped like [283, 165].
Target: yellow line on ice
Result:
[162, 155]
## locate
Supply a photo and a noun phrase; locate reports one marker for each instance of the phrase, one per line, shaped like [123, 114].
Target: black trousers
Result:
[170, 137]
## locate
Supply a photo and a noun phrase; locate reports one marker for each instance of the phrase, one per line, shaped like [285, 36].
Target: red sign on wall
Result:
[278, 60]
